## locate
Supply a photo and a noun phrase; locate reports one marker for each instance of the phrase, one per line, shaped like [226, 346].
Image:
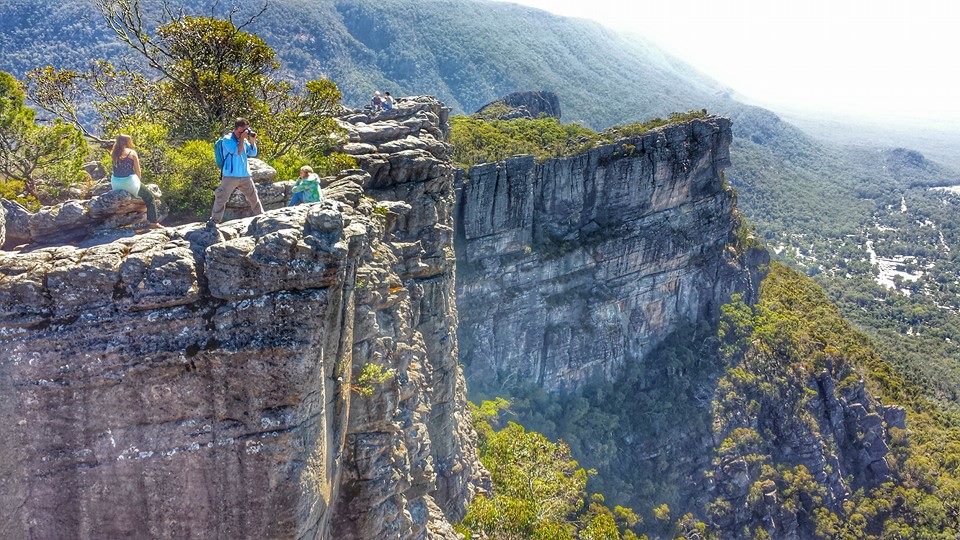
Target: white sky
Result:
[880, 59]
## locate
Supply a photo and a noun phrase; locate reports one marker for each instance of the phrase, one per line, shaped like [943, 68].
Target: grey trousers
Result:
[227, 186]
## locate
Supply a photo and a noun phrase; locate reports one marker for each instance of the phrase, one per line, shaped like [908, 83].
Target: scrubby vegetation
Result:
[796, 332]
[371, 375]
[483, 141]
[478, 139]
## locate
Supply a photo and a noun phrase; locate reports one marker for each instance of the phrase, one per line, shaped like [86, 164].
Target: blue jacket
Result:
[234, 161]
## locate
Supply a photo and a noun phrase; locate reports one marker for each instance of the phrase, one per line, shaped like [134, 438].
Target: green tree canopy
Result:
[36, 161]
[198, 74]
[539, 490]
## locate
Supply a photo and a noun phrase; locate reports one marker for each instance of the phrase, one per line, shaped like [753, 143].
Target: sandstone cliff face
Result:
[574, 267]
[188, 382]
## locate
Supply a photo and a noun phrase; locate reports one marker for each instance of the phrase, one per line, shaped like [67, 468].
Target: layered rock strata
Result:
[572, 268]
[193, 382]
[74, 220]
[406, 160]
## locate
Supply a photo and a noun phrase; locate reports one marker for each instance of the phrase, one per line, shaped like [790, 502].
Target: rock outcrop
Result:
[192, 382]
[827, 429]
[272, 194]
[572, 268]
[523, 105]
[75, 220]
[413, 170]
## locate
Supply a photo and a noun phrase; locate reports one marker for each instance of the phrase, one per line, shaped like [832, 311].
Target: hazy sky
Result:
[877, 59]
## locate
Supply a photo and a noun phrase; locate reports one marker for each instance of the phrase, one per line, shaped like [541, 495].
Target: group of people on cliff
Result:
[384, 102]
[231, 154]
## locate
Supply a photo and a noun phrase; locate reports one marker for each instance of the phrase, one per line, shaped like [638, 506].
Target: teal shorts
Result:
[130, 184]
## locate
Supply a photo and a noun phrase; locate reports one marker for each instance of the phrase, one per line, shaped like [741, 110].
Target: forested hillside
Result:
[724, 429]
[465, 52]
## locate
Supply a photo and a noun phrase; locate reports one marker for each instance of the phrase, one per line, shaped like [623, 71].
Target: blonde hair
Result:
[122, 143]
[306, 168]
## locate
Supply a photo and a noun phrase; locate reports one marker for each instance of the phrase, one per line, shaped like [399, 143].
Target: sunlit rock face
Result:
[571, 268]
[193, 382]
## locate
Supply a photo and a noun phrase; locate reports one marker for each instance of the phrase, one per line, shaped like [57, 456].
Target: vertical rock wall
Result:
[179, 383]
[573, 267]
[407, 169]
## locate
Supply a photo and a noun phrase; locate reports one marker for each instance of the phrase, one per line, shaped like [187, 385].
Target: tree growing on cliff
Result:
[539, 489]
[36, 160]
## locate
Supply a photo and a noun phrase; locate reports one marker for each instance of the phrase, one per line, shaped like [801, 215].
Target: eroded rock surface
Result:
[193, 382]
[75, 220]
[829, 428]
[571, 268]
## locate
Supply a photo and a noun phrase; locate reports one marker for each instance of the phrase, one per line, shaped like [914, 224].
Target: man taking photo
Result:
[231, 153]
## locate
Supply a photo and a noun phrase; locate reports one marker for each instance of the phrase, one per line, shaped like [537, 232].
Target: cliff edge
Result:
[193, 382]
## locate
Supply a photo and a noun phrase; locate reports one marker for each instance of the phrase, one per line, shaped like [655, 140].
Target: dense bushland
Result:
[477, 139]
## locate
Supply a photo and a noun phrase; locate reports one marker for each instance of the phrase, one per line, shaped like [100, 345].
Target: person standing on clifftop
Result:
[126, 176]
[231, 153]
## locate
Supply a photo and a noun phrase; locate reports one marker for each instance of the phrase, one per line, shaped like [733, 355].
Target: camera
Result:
[251, 132]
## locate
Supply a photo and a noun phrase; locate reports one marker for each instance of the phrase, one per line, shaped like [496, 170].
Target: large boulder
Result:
[16, 223]
[526, 104]
[261, 172]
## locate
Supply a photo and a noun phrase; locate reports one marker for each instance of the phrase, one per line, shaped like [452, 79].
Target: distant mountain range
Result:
[466, 52]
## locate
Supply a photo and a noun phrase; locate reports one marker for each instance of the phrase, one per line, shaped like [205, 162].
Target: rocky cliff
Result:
[590, 288]
[526, 104]
[577, 266]
[202, 383]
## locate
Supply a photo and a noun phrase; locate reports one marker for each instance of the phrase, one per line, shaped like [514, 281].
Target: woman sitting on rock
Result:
[126, 176]
[307, 189]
